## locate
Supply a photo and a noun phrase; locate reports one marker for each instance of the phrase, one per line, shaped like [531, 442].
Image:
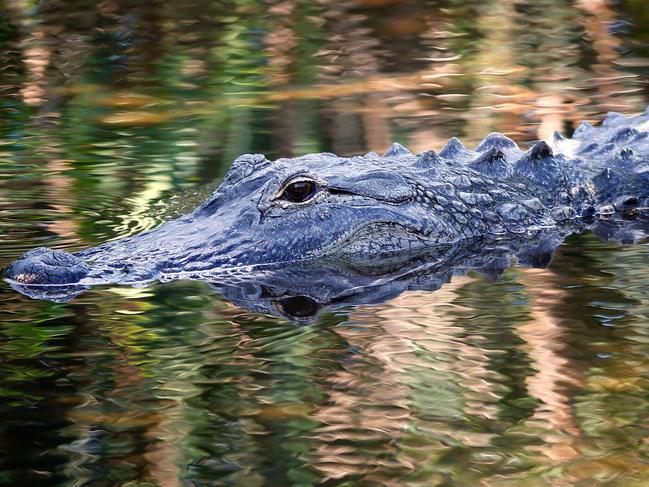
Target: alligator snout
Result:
[47, 266]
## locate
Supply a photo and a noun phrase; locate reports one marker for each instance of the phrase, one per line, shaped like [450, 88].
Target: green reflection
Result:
[118, 115]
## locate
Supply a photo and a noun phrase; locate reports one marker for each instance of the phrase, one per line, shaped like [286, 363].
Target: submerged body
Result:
[370, 210]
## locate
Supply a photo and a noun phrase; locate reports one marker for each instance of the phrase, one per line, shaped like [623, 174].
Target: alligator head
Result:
[263, 213]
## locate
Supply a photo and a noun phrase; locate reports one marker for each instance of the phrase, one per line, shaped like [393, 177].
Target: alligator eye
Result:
[299, 191]
[299, 307]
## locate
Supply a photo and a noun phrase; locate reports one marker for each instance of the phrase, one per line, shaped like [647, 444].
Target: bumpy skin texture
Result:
[300, 292]
[370, 210]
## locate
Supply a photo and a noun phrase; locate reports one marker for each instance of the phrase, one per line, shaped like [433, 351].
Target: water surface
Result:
[116, 116]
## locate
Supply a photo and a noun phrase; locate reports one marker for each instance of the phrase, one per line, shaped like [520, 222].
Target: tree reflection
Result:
[111, 109]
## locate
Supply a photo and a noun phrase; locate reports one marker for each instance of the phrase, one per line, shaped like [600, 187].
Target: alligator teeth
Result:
[496, 141]
[395, 150]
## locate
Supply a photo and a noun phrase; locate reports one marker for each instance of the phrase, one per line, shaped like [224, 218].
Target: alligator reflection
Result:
[299, 291]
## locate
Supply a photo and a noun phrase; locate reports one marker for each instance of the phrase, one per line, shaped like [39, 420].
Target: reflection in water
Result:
[545, 344]
[115, 115]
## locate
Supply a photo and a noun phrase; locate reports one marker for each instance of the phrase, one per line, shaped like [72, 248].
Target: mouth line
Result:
[162, 276]
[99, 275]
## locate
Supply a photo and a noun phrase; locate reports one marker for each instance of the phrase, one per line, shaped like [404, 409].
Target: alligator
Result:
[300, 291]
[371, 212]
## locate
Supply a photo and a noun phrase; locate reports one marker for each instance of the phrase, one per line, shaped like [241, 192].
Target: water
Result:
[118, 115]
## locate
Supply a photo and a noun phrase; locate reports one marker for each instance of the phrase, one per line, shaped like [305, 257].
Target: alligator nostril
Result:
[299, 307]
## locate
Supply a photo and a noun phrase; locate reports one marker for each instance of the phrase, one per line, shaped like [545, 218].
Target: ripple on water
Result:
[111, 111]
[33, 220]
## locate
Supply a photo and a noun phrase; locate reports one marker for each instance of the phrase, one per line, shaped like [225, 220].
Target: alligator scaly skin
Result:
[371, 210]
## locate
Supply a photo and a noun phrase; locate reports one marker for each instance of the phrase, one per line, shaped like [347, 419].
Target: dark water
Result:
[118, 115]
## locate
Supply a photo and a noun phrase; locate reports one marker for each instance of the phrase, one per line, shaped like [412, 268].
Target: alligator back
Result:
[598, 171]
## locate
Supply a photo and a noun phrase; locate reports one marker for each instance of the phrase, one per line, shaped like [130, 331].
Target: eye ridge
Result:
[299, 191]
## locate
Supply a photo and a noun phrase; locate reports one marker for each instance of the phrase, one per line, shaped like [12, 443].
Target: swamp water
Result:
[115, 116]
